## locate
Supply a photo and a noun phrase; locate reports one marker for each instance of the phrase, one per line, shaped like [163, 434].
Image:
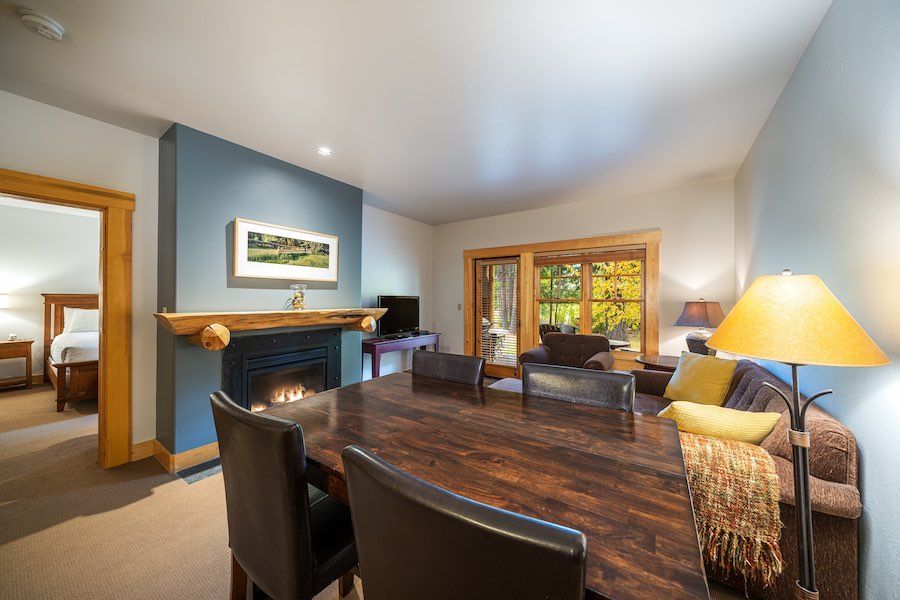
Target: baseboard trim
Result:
[12, 382]
[184, 460]
[142, 450]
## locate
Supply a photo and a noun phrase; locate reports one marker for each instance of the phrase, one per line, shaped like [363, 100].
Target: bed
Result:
[70, 357]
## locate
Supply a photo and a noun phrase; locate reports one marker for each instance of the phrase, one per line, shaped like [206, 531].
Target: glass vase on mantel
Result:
[297, 301]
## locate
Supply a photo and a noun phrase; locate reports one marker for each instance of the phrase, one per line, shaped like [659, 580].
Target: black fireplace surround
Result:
[263, 370]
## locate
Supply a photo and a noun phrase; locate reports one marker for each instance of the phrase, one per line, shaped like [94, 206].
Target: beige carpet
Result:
[70, 530]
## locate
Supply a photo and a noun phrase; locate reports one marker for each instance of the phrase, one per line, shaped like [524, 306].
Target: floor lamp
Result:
[796, 320]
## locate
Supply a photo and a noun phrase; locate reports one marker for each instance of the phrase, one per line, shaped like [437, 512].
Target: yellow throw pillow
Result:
[700, 378]
[721, 422]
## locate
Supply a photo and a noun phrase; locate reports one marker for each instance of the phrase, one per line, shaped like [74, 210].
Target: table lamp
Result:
[795, 319]
[703, 315]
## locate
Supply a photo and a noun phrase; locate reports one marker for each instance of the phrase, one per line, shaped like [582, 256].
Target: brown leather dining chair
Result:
[587, 386]
[417, 540]
[290, 539]
[450, 367]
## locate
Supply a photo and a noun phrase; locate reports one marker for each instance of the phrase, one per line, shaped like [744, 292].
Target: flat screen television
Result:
[401, 317]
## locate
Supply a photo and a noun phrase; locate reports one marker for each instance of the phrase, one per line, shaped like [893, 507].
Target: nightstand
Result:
[17, 349]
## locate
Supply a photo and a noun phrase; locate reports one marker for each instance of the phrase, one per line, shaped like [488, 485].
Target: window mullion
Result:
[586, 321]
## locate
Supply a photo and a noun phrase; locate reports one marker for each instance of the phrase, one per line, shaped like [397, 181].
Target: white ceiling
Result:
[441, 110]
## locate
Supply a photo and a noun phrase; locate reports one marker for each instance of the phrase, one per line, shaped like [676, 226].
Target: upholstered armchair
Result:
[571, 350]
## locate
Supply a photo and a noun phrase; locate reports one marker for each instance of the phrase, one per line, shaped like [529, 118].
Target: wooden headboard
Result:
[54, 315]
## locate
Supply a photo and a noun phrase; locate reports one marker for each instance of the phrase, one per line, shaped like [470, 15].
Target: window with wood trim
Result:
[600, 285]
[597, 292]
[617, 301]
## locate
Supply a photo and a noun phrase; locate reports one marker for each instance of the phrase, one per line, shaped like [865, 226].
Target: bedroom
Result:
[49, 326]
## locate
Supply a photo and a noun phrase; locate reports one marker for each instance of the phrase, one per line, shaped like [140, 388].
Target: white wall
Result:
[820, 193]
[40, 139]
[696, 253]
[43, 252]
[397, 259]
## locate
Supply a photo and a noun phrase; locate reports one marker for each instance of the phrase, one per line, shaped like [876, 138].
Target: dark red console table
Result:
[375, 347]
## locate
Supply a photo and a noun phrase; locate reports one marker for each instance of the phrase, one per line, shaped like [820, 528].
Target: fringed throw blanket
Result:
[734, 488]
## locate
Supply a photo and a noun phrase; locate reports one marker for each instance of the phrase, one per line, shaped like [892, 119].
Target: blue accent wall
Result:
[215, 181]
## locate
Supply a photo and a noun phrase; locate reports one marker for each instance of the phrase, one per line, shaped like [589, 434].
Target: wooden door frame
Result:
[114, 384]
[528, 333]
[490, 369]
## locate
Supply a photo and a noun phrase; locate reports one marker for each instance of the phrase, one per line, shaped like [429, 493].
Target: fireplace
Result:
[260, 371]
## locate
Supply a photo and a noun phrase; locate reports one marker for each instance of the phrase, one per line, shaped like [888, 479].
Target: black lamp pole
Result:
[799, 439]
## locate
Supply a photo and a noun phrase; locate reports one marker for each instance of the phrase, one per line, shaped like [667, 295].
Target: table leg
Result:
[376, 363]
[28, 371]
[436, 346]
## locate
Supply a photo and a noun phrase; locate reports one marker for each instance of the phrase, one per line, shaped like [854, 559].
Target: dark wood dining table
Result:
[617, 477]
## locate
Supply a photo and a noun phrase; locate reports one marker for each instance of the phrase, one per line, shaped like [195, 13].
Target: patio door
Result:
[497, 315]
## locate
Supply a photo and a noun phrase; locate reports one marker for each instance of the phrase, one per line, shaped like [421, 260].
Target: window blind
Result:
[497, 318]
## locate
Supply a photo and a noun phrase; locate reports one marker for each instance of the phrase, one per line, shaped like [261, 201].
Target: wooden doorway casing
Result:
[114, 387]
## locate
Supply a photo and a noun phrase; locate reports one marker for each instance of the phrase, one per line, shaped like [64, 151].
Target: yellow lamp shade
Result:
[795, 319]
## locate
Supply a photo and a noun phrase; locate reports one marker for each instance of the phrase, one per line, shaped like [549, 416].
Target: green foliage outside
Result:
[618, 321]
[558, 313]
[615, 280]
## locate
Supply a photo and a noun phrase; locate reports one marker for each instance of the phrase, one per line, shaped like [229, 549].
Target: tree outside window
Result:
[617, 301]
[613, 298]
[560, 292]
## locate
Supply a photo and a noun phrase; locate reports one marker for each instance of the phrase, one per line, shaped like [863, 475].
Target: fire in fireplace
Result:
[262, 371]
[269, 388]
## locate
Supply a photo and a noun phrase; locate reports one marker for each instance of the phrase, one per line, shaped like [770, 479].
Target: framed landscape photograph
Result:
[276, 252]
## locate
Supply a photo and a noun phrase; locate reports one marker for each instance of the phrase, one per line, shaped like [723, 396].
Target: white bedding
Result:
[75, 347]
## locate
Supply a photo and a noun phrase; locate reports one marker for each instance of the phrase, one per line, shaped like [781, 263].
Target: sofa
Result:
[834, 490]
[571, 350]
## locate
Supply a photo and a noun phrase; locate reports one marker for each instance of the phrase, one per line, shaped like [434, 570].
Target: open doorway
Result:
[50, 322]
[50, 273]
[71, 311]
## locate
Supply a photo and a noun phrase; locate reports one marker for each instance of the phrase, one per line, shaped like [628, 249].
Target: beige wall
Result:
[696, 254]
[397, 259]
[41, 139]
[820, 193]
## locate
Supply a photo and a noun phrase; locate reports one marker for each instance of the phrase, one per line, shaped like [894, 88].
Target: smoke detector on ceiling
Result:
[42, 25]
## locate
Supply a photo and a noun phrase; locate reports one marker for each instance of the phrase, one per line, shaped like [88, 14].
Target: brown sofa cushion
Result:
[747, 390]
[832, 453]
[829, 497]
[832, 448]
[648, 404]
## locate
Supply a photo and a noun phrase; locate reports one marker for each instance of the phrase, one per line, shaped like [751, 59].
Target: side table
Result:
[17, 349]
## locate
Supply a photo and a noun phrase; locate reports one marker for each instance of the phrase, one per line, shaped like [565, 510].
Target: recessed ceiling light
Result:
[324, 151]
[42, 25]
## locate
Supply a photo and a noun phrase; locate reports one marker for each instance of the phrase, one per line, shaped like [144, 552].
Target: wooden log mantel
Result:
[212, 330]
